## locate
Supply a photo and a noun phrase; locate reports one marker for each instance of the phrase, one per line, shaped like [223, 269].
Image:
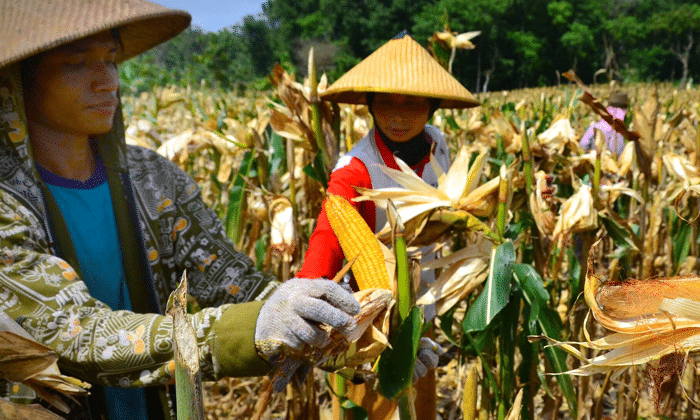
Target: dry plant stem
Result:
[598, 411]
[264, 400]
[292, 179]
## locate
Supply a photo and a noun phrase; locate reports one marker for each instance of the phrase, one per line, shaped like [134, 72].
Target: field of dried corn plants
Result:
[531, 203]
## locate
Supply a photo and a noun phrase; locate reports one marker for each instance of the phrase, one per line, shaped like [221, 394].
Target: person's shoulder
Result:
[138, 156]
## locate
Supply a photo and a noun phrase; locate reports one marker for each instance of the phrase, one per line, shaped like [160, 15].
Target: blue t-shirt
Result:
[89, 215]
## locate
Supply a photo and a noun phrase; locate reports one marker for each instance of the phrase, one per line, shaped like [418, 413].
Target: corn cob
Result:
[357, 240]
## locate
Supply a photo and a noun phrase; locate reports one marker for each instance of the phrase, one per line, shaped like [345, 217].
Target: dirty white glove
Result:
[289, 321]
[428, 354]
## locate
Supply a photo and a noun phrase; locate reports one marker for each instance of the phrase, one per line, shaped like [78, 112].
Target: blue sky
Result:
[212, 15]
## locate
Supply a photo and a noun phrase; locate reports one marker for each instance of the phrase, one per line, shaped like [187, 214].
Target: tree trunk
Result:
[683, 55]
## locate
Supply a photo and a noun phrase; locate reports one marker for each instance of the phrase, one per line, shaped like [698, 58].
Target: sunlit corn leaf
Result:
[235, 213]
[462, 271]
[188, 379]
[546, 320]
[496, 293]
[395, 367]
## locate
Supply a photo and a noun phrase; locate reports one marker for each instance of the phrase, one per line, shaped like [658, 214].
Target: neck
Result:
[68, 156]
[411, 151]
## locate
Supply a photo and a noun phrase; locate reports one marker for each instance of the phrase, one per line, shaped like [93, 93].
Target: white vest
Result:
[366, 150]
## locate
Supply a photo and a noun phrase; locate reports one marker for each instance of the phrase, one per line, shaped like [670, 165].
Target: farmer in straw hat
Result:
[95, 234]
[403, 86]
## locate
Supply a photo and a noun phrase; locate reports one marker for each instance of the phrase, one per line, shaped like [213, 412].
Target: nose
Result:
[106, 77]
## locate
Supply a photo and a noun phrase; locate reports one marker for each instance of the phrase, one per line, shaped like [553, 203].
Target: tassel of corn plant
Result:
[188, 380]
[357, 240]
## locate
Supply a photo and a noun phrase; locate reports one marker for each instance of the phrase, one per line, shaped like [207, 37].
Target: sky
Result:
[213, 15]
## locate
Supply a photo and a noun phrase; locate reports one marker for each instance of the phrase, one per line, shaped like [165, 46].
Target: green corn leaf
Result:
[547, 322]
[496, 293]
[680, 239]
[623, 238]
[396, 363]
[278, 158]
[235, 214]
[261, 251]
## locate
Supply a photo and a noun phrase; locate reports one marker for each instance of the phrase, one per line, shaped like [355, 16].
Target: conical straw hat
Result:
[400, 66]
[28, 27]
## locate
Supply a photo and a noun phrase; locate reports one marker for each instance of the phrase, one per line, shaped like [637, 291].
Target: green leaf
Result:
[496, 293]
[278, 158]
[261, 251]
[396, 363]
[680, 239]
[315, 170]
[235, 214]
[623, 238]
[548, 322]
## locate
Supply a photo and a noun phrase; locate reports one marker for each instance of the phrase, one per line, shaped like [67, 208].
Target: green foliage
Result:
[522, 43]
[396, 363]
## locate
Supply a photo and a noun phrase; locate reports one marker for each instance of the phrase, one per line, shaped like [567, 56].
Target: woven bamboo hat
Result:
[28, 27]
[400, 66]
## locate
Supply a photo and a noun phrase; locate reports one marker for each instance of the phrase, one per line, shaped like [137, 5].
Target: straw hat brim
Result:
[400, 66]
[29, 27]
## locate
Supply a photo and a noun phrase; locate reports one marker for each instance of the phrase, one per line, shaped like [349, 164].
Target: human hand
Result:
[289, 321]
[428, 354]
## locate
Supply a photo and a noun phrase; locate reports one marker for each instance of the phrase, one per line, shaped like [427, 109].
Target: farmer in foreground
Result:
[95, 234]
[403, 86]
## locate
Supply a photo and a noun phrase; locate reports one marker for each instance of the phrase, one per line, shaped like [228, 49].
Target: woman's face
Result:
[400, 117]
[75, 87]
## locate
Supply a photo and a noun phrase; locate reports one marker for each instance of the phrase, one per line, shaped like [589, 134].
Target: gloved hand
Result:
[289, 320]
[428, 354]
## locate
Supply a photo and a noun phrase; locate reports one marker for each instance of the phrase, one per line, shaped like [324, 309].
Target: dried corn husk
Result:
[283, 234]
[651, 319]
[365, 343]
[457, 189]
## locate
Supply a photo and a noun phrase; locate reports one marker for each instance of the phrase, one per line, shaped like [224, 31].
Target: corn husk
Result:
[283, 234]
[458, 189]
[650, 319]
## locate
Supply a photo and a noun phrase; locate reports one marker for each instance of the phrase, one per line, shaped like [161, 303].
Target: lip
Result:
[104, 107]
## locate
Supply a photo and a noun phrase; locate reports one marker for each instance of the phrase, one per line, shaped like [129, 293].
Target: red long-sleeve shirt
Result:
[324, 258]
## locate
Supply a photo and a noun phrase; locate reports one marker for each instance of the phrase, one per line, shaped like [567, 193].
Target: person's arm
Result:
[121, 348]
[196, 241]
[324, 256]
[587, 140]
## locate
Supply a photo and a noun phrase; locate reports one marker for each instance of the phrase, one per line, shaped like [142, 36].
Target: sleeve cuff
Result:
[233, 350]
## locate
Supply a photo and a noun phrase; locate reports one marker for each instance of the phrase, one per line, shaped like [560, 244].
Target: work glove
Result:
[289, 322]
[428, 354]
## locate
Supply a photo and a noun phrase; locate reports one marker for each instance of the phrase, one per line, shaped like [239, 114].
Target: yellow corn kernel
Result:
[355, 238]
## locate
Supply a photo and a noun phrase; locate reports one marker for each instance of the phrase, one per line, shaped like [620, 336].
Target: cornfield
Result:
[538, 221]
[260, 167]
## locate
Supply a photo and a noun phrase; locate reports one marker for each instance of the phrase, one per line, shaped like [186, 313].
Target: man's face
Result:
[76, 87]
[400, 117]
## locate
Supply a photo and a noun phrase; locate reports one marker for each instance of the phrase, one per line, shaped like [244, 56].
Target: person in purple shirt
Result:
[617, 107]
